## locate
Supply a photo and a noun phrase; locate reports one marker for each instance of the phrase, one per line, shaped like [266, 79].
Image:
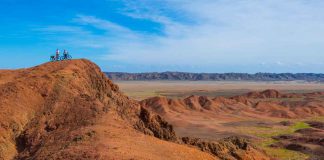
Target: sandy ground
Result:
[174, 89]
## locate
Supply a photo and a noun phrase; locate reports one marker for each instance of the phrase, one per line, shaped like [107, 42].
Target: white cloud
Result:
[228, 32]
[216, 32]
[100, 23]
[61, 29]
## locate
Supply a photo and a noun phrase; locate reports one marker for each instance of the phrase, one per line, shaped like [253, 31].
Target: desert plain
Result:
[179, 89]
[280, 136]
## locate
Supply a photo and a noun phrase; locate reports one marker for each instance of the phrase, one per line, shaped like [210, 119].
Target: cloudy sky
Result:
[167, 35]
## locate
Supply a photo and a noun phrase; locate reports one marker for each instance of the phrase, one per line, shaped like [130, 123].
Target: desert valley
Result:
[285, 121]
[71, 110]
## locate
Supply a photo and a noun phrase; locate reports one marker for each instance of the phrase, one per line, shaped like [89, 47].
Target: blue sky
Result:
[167, 35]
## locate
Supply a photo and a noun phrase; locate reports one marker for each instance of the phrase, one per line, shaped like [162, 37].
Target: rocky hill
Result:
[71, 110]
[269, 103]
[216, 76]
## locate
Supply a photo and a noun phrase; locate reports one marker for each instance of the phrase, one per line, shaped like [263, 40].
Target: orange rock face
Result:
[71, 110]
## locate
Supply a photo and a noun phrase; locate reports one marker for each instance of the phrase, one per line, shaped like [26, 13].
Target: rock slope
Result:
[71, 110]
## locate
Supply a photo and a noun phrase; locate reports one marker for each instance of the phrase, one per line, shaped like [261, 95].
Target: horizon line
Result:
[218, 72]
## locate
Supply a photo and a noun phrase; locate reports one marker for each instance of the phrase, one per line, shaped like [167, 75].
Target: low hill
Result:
[216, 76]
[71, 110]
[269, 103]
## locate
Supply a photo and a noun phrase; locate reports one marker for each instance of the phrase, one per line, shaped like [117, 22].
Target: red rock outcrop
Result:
[230, 148]
[71, 110]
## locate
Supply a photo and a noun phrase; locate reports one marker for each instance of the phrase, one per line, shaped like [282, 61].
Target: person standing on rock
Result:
[65, 53]
[57, 54]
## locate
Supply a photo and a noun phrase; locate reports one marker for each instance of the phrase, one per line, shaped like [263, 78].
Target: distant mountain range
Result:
[216, 76]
